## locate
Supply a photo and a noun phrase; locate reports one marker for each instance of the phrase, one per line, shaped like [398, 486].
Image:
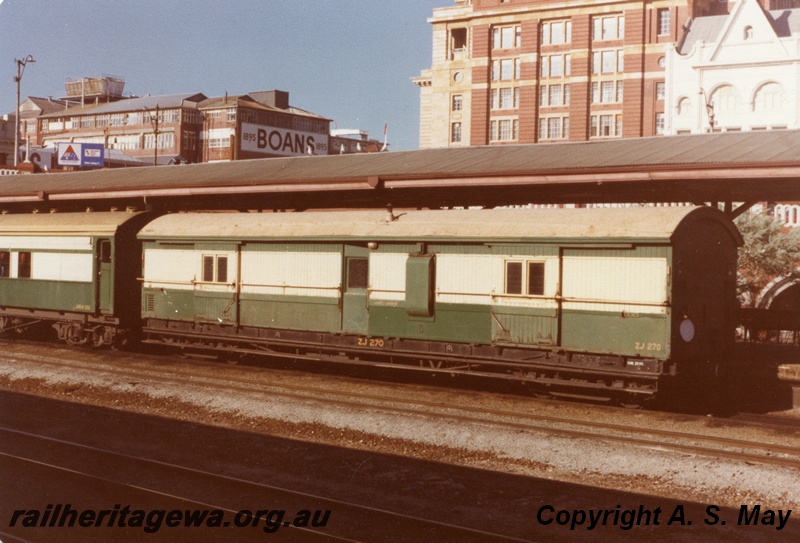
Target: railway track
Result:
[750, 451]
[176, 483]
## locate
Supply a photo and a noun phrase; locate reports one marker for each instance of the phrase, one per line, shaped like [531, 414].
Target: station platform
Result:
[769, 375]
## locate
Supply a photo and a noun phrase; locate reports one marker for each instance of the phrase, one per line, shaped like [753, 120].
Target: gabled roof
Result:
[784, 23]
[168, 101]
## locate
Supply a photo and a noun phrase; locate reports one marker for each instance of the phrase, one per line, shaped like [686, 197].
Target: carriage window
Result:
[513, 277]
[24, 264]
[208, 269]
[215, 269]
[5, 264]
[222, 269]
[536, 278]
[525, 278]
[357, 273]
[105, 251]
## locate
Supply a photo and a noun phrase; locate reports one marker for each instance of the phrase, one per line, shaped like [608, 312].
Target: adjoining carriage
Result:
[589, 301]
[76, 271]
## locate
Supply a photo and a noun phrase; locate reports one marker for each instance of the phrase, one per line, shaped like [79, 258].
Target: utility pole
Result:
[154, 124]
[20, 70]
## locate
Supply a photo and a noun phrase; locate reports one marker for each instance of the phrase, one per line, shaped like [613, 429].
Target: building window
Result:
[552, 128]
[24, 264]
[660, 90]
[556, 66]
[455, 133]
[608, 62]
[556, 32]
[506, 37]
[660, 124]
[506, 70]
[683, 106]
[5, 264]
[505, 98]
[610, 27]
[458, 42]
[556, 95]
[215, 269]
[457, 103]
[606, 91]
[605, 126]
[522, 279]
[725, 99]
[769, 97]
[664, 20]
[748, 32]
[504, 130]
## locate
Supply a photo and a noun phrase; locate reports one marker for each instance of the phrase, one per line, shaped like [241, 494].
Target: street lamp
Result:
[20, 69]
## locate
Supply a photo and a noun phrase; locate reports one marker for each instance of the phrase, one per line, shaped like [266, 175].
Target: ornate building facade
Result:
[530, 71]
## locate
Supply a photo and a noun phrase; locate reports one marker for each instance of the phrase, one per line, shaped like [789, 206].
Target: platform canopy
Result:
[721, 167]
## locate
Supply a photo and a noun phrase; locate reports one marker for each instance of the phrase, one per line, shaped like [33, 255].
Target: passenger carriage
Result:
[577, 301]
[76, 271]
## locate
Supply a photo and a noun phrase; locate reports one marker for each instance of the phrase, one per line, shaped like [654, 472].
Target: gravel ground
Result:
[595, 462]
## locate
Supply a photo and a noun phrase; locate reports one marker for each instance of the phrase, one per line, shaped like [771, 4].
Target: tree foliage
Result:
[769, 251]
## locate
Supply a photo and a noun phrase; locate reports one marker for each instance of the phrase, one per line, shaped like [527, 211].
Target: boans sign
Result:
[270, 140]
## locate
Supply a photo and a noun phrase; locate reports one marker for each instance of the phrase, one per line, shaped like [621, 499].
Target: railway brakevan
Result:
[602, 302]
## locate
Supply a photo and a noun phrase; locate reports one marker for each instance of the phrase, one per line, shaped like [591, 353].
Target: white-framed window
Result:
[606, 91]
[553, 128]
[768, 97]
[608, 27]
[556, 32]
[524, 277]
[664, 20]
[554, 95]
[505, 98]
[556, 66]
[215, 269]
[506, 37]
[683, 106]
[661, 90]
[605, 125]
[609, 61]
[507, 69]
[504, 130]
[660, 124]
[455, 132]
[457, 102]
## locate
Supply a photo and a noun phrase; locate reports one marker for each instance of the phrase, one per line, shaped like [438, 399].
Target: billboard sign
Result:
[272, 140]
[85, 155]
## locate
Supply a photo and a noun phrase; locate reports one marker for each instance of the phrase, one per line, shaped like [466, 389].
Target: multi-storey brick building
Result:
[176, 128]
[528, 71]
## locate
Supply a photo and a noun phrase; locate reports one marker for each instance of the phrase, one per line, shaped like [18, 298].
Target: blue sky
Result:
[348, 60]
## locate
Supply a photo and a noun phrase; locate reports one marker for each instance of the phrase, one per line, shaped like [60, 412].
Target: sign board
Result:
[86, 155]
[271, 140]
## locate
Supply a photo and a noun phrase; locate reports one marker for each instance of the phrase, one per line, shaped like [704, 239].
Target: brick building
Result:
[179, 128]
[528, 71]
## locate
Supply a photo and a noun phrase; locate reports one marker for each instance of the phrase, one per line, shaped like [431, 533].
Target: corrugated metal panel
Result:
[641, 154]
[655, 223]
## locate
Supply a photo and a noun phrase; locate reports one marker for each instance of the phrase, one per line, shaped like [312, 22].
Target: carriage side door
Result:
[105, 276]
[355, 290]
